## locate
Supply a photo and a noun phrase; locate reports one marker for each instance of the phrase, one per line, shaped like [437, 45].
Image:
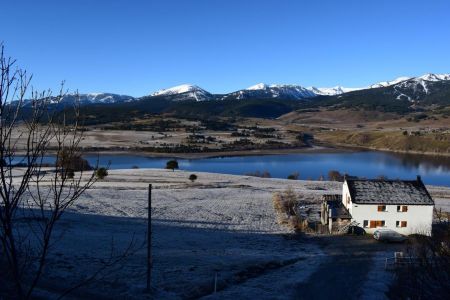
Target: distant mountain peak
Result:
[267, 91]
[185, 92]
[259, 86]
[179, 89]
[331, 91]
[98, 98]
[388, 83]
[434, 77]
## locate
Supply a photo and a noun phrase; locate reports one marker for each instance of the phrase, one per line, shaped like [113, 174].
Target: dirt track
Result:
[344, 274]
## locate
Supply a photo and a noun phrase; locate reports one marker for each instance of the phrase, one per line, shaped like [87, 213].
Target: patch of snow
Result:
[435, 77]
[259, 86]
[179, 89]
[389, 83]
[337, 90]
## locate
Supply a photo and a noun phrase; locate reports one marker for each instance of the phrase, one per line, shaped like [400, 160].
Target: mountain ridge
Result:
[412, 89]
[294, 91]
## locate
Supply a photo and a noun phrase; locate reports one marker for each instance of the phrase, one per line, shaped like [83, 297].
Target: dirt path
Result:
[345, 272]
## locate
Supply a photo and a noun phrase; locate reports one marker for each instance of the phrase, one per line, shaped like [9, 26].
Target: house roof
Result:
[337, 210]
[412, 192]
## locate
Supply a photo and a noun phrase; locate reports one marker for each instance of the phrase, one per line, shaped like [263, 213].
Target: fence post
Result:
[149, 239]
[215, 283]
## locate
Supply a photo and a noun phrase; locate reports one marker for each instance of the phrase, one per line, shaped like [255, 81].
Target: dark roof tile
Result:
[412, 192]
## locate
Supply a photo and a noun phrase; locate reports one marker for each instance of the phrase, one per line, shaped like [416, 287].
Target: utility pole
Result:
[149, 240]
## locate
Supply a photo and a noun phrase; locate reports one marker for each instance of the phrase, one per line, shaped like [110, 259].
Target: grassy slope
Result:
[438, 143]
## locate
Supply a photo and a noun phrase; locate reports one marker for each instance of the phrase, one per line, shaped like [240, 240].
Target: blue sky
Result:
[136, 47]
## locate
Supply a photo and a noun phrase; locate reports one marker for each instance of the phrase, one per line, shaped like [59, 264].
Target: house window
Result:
[401, 224]
[377, 223]
[402, 208]
[381, 207]
[366, 223]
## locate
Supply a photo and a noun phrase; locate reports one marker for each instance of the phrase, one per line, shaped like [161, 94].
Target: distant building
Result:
[404, 206]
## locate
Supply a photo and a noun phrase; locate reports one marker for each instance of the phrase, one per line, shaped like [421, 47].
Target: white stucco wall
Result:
[419, 218]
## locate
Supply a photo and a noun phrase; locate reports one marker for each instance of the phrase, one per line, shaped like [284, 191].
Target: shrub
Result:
[428, 277]
[264, 174]
[135, 167]
[293, 176]
[70, 174]
[192, 177]
[172, 165]
[101, 173]
[286, 206]
[73, 161]
[334, 175]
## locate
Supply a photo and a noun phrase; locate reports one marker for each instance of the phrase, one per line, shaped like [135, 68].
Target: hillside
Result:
[404, 97]
[147, 106]
[401, 141]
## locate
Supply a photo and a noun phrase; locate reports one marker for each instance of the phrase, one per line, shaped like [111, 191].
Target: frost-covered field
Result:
[220, 225]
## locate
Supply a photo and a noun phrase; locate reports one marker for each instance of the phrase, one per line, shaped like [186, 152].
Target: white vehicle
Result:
[388, 235]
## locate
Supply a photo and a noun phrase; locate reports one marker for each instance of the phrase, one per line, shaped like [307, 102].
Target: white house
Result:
[401, 205]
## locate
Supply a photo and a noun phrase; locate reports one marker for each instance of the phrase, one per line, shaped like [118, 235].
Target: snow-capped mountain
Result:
[264, 91]
[97, 98]
[185, 92]
[84, 99]
[416, 88]
[422, 91]
[337, 90]
[296, 92]
[387, 83]
[415, 85]
[434, 77]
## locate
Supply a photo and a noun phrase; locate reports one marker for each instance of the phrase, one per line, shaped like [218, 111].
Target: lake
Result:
[434, 170]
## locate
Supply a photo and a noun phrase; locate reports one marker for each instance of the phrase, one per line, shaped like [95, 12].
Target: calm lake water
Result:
[434, 170]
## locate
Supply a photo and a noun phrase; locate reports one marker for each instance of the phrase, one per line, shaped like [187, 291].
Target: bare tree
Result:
[426, 274]
[30, 130]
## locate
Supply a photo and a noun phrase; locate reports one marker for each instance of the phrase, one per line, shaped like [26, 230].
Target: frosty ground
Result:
[219, 225]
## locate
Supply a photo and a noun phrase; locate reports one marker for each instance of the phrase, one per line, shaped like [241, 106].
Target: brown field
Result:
[330, 130]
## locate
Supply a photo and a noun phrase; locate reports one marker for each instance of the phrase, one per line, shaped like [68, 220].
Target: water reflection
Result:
[371, 164]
